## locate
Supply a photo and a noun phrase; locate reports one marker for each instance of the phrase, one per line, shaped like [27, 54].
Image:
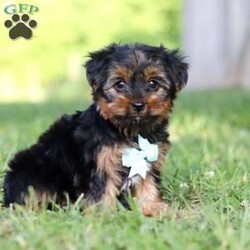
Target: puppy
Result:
[117, 145]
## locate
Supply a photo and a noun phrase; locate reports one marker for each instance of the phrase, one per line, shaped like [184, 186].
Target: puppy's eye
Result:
[120, 85]
[153, 85]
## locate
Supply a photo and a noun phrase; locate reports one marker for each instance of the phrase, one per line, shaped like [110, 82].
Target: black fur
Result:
[63, 159]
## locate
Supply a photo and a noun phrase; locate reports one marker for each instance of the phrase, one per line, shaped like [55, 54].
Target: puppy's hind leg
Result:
[18, 189]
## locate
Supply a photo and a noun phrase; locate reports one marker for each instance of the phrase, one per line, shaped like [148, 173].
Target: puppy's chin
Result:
[136, 123]
[147, 119]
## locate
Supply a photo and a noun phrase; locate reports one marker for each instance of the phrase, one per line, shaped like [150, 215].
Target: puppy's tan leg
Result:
[108, 164]
[35, 200]
[147, 191]
[149, 198]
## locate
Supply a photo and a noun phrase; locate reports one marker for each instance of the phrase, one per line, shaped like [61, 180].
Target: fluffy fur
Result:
[133, 91]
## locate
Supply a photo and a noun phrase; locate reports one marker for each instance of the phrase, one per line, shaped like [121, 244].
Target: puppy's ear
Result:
[177, 68]
[97, 65]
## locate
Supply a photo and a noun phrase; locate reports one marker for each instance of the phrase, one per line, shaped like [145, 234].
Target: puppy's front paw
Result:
[158, 209]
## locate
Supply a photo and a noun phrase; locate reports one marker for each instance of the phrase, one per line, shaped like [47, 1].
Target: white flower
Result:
[183, 185]
[245, 203]
[209, 173]
[243, 133]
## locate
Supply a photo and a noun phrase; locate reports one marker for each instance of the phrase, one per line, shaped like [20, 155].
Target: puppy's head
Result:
[134, 85]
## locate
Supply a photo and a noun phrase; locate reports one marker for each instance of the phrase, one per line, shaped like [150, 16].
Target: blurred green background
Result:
[50, 63]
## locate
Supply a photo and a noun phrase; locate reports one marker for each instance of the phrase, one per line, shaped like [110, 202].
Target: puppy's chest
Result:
[132, 166]
[129, 181]
[126, 164]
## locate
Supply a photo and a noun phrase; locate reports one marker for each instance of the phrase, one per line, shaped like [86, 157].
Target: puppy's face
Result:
[134, 85]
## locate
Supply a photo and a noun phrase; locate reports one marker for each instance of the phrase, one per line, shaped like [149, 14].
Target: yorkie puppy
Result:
[117, 145]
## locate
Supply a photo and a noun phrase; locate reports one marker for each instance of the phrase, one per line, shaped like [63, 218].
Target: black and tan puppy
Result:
[85, 153]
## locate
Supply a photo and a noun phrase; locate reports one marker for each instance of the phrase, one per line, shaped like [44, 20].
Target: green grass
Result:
[206, 175]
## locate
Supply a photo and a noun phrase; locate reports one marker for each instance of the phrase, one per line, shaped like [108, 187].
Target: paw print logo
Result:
[20, 26]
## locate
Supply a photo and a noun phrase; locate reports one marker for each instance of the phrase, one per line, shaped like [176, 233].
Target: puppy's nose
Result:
[138, 106]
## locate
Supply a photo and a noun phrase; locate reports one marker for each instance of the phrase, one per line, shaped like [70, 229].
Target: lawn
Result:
[206, 176]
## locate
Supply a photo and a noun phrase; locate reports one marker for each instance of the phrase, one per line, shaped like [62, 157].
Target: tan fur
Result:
[156, 209]
[109, 164]
[158, 107]
[36, 199]
[121, 72]
[163, 148]
[149, 198]
[147, 192]
[147, 195]
[119, 106]
[153, 71]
